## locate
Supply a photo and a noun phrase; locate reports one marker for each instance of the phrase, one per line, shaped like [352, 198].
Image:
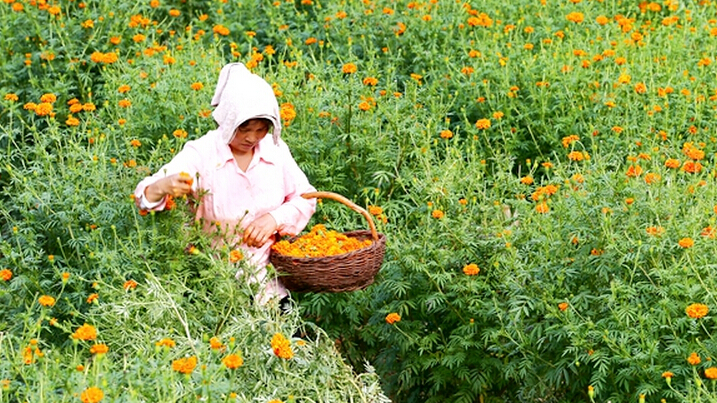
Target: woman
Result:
[249, 184]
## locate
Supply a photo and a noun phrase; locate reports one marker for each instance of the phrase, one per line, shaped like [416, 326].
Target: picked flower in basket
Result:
[329, 261]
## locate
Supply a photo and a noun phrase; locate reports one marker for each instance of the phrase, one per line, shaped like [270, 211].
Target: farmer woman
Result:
[249, 184]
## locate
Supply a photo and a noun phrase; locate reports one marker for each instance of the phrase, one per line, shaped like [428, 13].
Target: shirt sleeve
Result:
[293, 215]
[188, 160]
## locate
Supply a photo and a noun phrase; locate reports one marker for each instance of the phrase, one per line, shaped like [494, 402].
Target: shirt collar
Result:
[265, 150]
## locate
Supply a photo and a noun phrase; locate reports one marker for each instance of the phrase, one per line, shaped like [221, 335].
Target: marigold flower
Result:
[123, 88]
[46, 300]
[5, 274]
[235, 255]
[527, 180]
[694, 359]
[634, 171]
[287, 112]
[542, 208]
[711, 373]
[563, 306]
[174, 12]
[43, 109]
[129, 285]
[364, 106]
[166, 342]
[691, 167]
[85, 332]
[318, 242]
[471, 269]
[483, 124]
[54, 10]
[179, 133]
[92, 298]
[575, 17]
[697, 311]
[375, 210]
[349, 68]
[221, 30]
[392, 318]
[135, 143]
[11, 97]
[124, 103]
[281, 346]
[185, 365]
[651, 178]
[49, 98]
[215, 343]
[197, 86]
[372, 81]
[686, 242]
[99, 349]
[672, 163]
[233, 361]
[92, 394]
[437, 214]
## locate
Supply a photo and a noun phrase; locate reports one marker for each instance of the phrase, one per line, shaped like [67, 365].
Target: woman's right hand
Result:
[176, 185]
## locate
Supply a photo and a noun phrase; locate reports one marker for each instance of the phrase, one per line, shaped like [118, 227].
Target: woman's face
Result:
[248, 134]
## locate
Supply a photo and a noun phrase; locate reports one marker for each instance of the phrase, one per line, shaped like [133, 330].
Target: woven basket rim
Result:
[374, 243]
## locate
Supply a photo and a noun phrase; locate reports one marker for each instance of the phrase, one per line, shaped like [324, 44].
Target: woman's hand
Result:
[176, 185]
[260, 231]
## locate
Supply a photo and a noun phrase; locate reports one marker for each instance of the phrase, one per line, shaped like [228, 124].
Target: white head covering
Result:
[242, 95]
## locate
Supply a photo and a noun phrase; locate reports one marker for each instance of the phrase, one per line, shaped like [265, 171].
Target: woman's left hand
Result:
[260, 231]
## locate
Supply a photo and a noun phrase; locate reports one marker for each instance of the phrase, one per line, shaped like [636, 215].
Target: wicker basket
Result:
[347, 272]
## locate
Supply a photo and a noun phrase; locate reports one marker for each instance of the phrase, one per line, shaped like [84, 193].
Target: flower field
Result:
[544, 171]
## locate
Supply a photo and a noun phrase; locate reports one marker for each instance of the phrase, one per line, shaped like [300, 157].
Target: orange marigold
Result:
[694, 359]
[697, 311]
[92, 394]
[672, 163]
[281, 346]
[43, 109]
[99, 349]
[46, 300]
[233, 361]
[185, 365]
[85, 332]
[483, 124]
[471, 269]
[563, 306]
[129, 285]
[5, 274]
[711, 373]
[392, 318]
[686, 242]
[166, 342]
[349, 68]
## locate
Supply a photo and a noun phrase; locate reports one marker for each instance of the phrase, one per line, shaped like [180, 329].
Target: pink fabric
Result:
[272, 184]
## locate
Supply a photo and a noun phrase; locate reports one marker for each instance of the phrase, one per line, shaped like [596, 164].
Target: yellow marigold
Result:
[281, 346]
[483, 124]
[349, 68]
[99, 349]
[697, 311]
[92, 394]
[686, 242]
[667, 374]
[185, 365]
[54, 10]
[694, 359]
[43, 109]
[85, 332]
[392, 318]
[471, 269]
[233, 361]
[166, 342]
[287, 112]
[5, 274]
[180, 133]
[711, 373]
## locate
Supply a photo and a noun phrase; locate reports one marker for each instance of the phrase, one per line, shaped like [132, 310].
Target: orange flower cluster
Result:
[46, 300]
[99, 349]
[185, 365]
[471, 269]
[281, 346]
[104, 58]
[5, 274]
[166, 342]
[320, 242]
[697, 311]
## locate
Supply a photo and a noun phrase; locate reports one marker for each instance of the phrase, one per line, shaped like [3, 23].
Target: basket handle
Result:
[353, 206]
